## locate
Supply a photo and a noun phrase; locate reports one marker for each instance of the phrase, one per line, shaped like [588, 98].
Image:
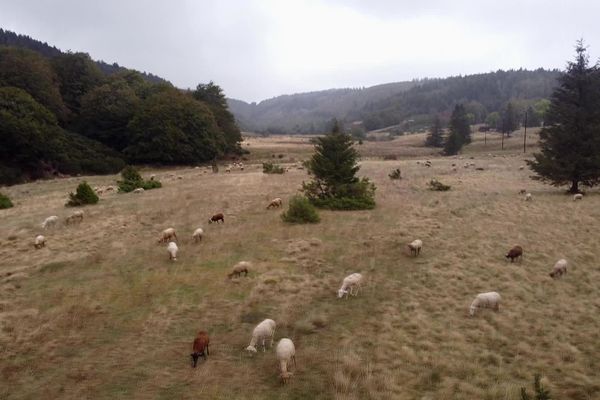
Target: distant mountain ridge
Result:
[9, 38]
[390, 104]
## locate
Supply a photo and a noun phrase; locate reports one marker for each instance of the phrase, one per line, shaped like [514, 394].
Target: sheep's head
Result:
[251, 349]
[472, 311]
[341, 293]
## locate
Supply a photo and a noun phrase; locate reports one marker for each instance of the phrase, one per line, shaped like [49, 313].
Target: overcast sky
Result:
[257, 49]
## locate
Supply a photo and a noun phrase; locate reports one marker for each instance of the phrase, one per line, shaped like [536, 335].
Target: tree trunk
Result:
[574, 187]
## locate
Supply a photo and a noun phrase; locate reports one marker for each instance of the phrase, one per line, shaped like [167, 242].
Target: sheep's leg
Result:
[294, 358]
[207, 352]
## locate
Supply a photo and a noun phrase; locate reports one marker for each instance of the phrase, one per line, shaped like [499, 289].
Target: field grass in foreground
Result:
[101, 313]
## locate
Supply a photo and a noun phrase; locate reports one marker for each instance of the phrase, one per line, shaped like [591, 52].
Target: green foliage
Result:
[29, 71]
[270, 168]
[173, 128]
[395, 174]
[460, 131]
[435, 137]
[131, 180]
[300, 211]
[334, 167]
[84, 195]
[32, 145]
[509, 119]
[5, 202]
[77, 75]
[493, 120]
[214, 97]
[570, 139]
[438, 186]
[540, 393]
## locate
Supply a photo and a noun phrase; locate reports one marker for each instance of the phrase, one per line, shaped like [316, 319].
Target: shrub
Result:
[84, 195]
[133, 180]
[5, 202]
[395, 174]
[358, 195]
[270, 168]
[300, 211]
[540, 392]
[438, 186]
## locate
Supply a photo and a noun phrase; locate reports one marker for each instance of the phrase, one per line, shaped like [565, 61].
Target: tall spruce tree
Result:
[435, 138]
[570, 139]
[460, 131]
[333, 167]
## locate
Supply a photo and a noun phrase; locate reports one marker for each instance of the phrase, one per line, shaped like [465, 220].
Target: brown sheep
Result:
[239, 268]
[200, 347]
[216, 218]
[168, 235]
[275, 203]
[515, 253]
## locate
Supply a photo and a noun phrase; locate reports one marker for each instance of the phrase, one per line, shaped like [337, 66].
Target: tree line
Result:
[64, 115]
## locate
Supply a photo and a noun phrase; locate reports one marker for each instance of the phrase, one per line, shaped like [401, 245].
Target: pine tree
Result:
[570, 139]
[333, 167]
[435, 138]
[460, 131]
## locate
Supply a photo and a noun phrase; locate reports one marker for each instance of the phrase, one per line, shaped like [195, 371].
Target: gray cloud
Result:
[257, 49]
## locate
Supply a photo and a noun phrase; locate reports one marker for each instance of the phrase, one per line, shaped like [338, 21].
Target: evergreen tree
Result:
[460, 131]
[570, 139]
[334, 167]
[510, 119]
[435, 138]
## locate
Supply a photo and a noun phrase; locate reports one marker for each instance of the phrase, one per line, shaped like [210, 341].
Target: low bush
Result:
[5, 202]
[84, 195]
[300, 211]
[438, 186]
[133, 180]
[270, 168]
[540, 393]
[395, 174]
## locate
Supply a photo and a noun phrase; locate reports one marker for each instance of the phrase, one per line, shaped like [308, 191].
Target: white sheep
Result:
[560, 268]
[50, 222]
[239, 268]
[350, 283]
[528, 197]
[168, 234]
[275, 203]
[77, 216]
[197, 235]
[138, 190]
[172, 249]
[261, 333]
[577, 196]
[415, 247]
[485, 300]
[286, 353]
[40, 241]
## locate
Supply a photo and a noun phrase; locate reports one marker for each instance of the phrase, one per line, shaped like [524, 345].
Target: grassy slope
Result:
[102, 313]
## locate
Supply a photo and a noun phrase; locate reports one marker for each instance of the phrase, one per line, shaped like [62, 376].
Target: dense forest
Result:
[417, 103]
[63, 113]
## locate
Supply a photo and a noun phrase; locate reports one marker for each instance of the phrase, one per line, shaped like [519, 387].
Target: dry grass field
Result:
[101, 312]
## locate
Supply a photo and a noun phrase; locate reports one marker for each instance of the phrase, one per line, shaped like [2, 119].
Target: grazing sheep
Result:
[560, 268]
[77, 216]
[228, 169]
[138, 190]
[242, 266]
[351, 282]
[261, 333]
[286, 353]
[216, 218]
[109, 188]
[50, 222]
[172, 249]
[197, 235]
[200, 347]
[528, 197]
[167, 234]
[515, 252]
[521, 168]
[415, 247]
[152, 177]
[577, 196]
[275, 203]
[485, 300]
[40, 241]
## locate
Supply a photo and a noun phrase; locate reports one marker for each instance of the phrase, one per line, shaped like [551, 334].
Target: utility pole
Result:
[525, 134]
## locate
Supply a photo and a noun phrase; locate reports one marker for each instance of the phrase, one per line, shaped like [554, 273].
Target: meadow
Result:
[101, 312]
